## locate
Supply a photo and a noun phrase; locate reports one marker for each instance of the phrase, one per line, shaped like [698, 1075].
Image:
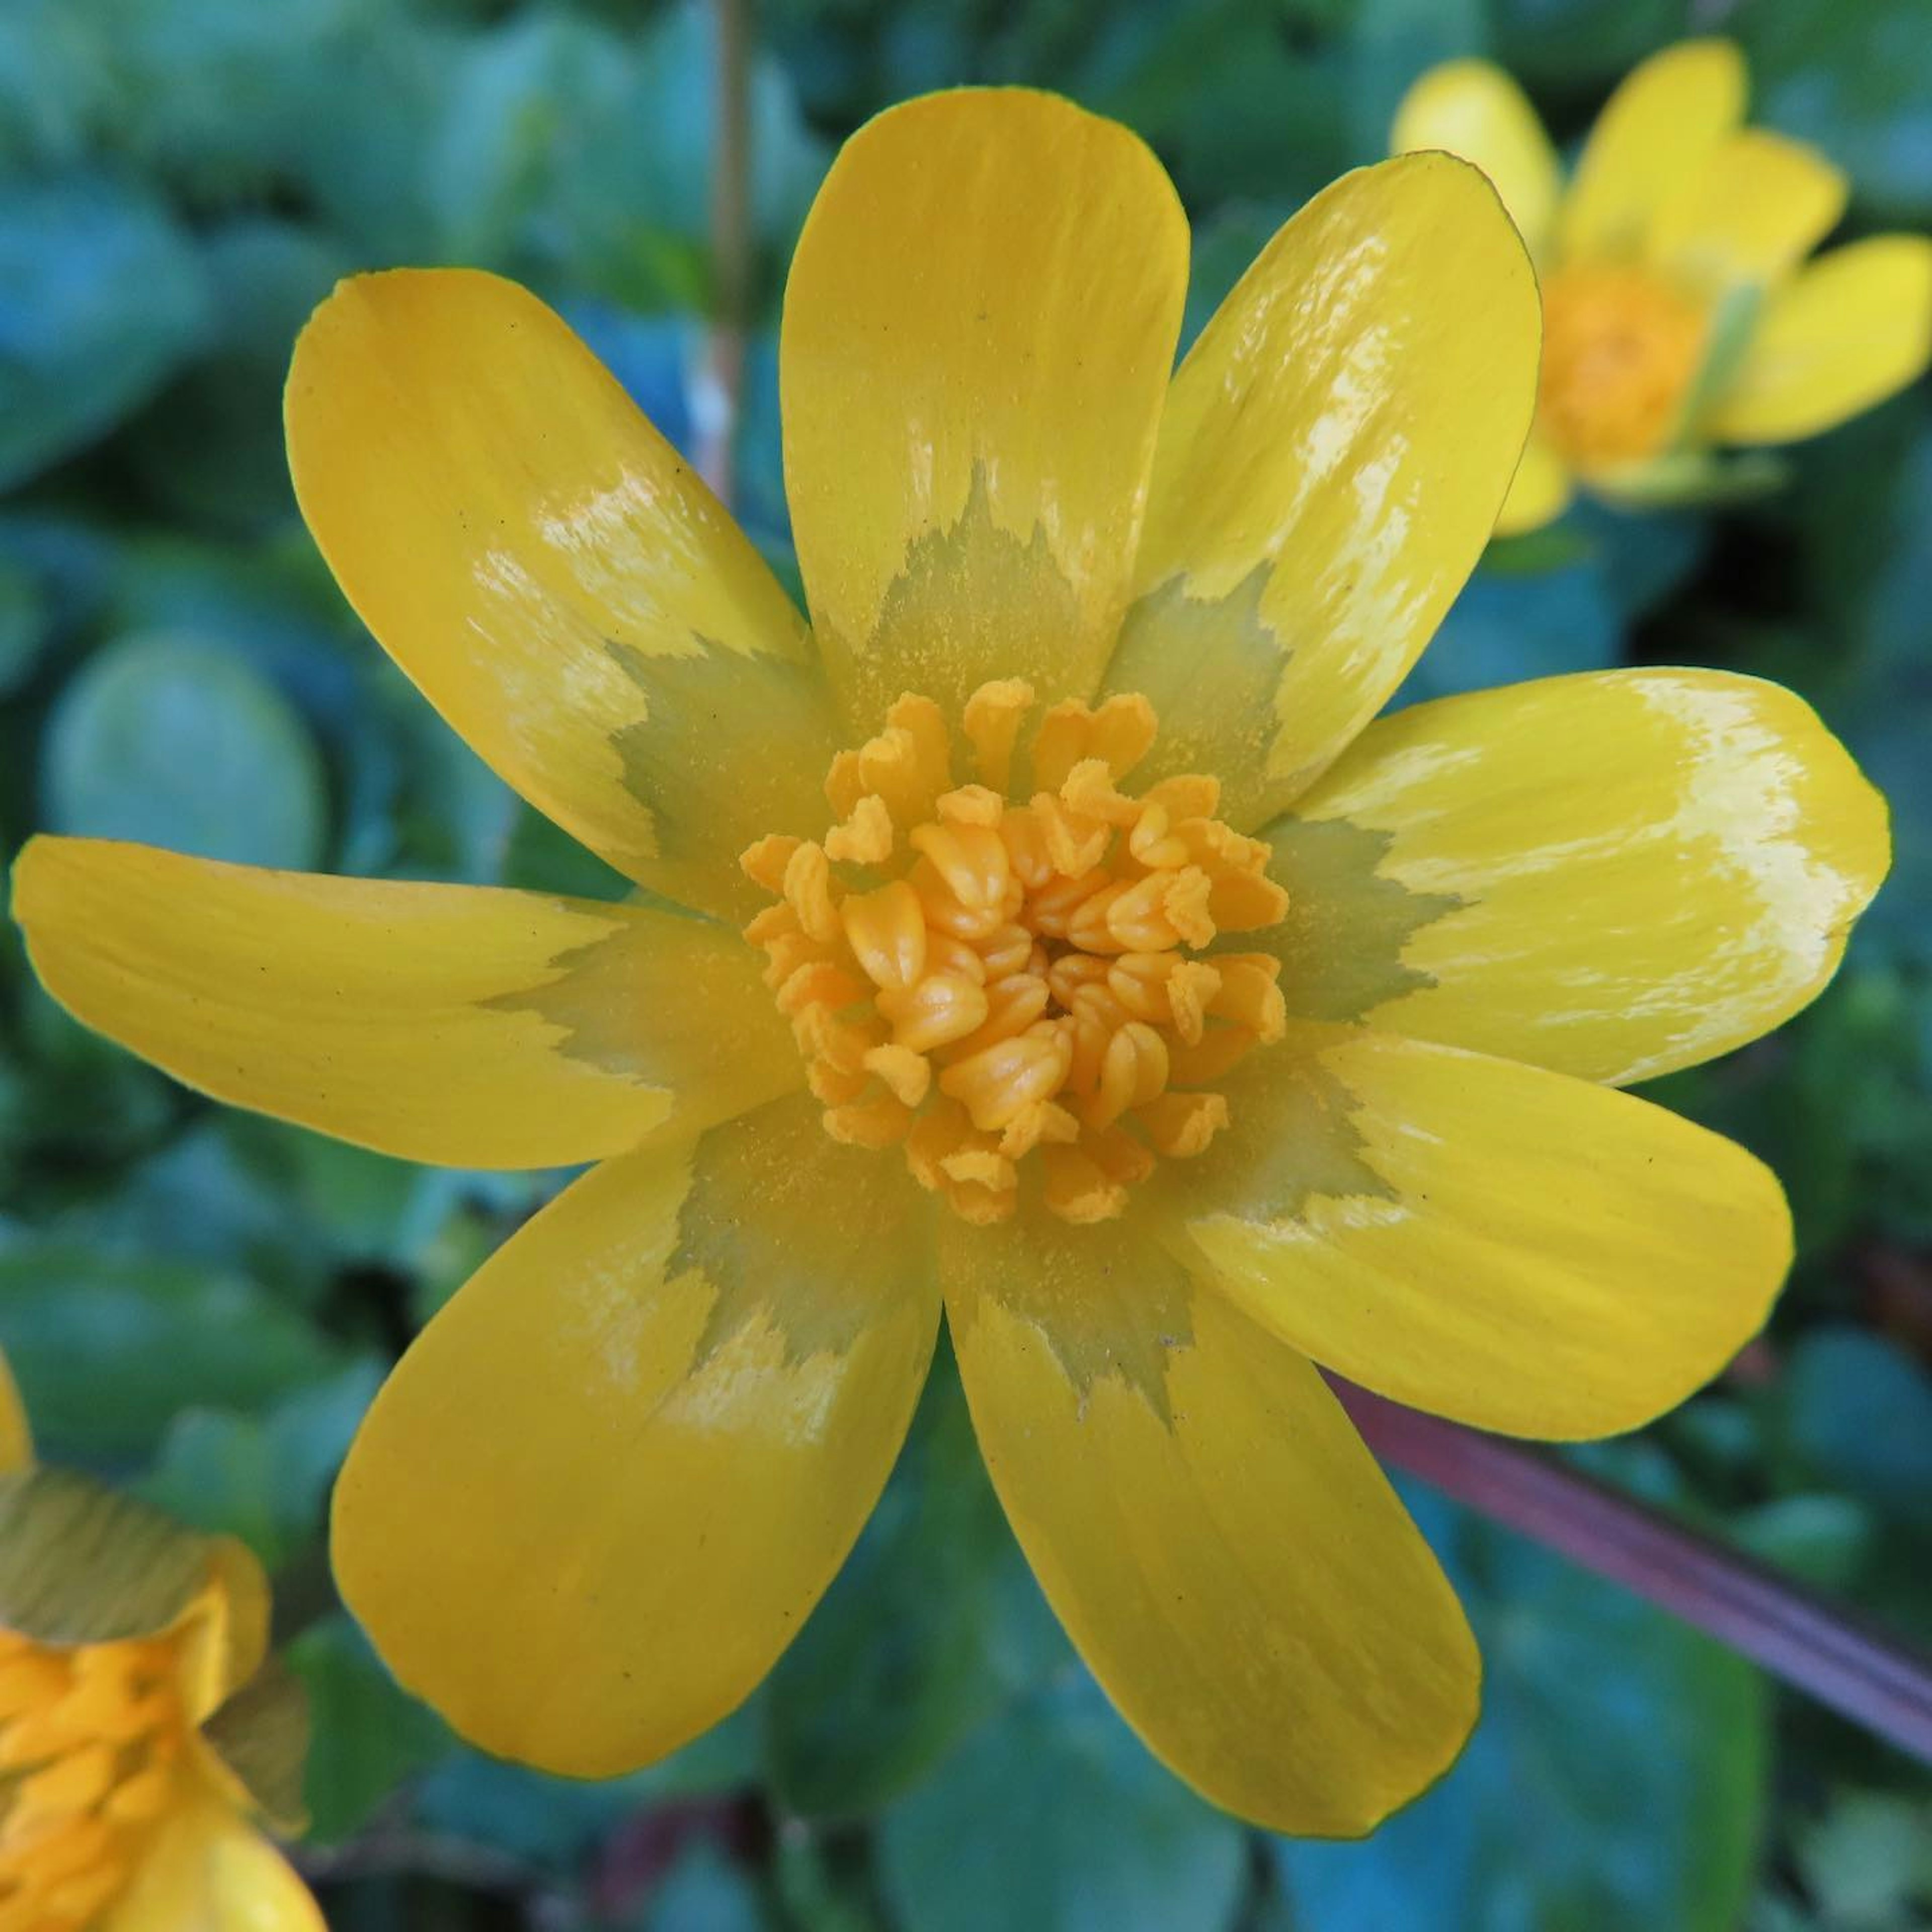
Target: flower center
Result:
[1620, 348]
[90, 1742]
[980, 980]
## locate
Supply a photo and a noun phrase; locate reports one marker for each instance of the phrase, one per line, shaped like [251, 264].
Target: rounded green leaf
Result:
[167, 740]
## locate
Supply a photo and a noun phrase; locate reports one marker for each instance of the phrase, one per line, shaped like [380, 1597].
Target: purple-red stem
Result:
[1815, 1646]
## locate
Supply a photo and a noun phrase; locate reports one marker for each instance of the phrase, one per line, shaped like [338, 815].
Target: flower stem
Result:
[1817, 1647]
[721, 378]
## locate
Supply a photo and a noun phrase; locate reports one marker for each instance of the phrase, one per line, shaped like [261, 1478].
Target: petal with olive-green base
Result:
[1846, 332]
[1472, 108]
[1335, 450]
[1210, 1528]
[467, 1025]
[978, 331]
[604, 1487]
[1757, 207]
[1519, 1250]
[209, 1869]
[1629, 871]
[554, 578]
[1656, 133]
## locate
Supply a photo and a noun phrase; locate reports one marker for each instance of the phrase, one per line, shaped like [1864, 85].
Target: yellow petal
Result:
[603, 1489]
[1755, 208]
[1334, 451]
[1522, 1251]
[1540, 493]
[16, 1435]
[460, 1024]
[223, 1637]
[1615, 874]
[209, 1870]
[1209, 1528]
[978, 330]
[553, 578]
[1472, 108]
[1846, 332]
[1656, 133]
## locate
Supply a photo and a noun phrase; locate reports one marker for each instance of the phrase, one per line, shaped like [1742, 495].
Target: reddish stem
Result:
[1858, 1671]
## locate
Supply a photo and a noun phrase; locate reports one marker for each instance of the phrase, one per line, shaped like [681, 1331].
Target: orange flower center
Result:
[986, 972]
[90, 1744]
[1620, 349]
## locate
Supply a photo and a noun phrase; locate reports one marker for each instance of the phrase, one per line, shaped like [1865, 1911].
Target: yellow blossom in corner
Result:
[142, 1728]
[1063, 947]
[1680, 313]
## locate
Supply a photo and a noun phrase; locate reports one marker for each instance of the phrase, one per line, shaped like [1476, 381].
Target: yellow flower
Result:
[141, 1729]
[1679, 312]
[989, 1049]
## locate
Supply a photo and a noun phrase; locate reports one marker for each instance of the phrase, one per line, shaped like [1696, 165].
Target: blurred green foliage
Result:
[200, 1304]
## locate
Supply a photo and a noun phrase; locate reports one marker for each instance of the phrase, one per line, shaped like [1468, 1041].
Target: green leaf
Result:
[1093, 1835]
[1395, 42]
[1616, 1778]
[171, 741]
[26, 620]
[107, 1348]
[263, 1480]
[369, 1735]
[903, 1654]
[101, 299]
[702, 1892]
[1854, 1412]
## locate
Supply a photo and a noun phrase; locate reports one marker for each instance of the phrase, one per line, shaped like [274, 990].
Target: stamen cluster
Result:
[90, 1745]
[1621, 348]
[979, 980]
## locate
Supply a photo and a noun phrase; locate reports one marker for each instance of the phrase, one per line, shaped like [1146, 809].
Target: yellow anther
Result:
[886, 931]
[971, 805]
[993, 717]
[1078, 1190]
[1180, 1125]
[1030, 983]
[764, 863]
[1090, 791]
[1249, 996]
[942, 1008]
[1074, 843]
[1620, 350]
[865, 838]
[818, 983]
[1012, 1005]
[909, 1075]
[997, 1084]
[807, 891]
[1007, 949]
[970, 859]
[1133, 1069]
[879, 1121]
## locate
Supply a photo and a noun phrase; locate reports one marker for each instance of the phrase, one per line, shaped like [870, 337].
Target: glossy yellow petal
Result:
[1656, 133]
[1846, 332]
[1757, 205]
[1540, 492]
[604, 1488]
[16, 1435]
[1209, 1528]
[209, 1871]
[1334, 451]
[223, 1637]
[553, 578]
[462, 1024]
[1522, 1251]
[1612, 874]
[1472, 108]
[978, 330]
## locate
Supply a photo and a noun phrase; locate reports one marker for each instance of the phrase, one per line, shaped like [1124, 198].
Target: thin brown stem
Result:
[1815, 1646]
[721, 379]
